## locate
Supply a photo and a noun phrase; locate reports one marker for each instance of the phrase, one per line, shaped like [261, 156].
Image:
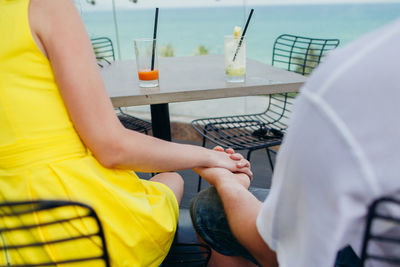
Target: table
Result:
[188, 79]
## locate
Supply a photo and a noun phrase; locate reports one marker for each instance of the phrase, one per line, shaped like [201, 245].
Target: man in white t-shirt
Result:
[341, 151]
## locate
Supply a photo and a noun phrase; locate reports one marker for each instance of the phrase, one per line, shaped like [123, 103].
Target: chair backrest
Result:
[103, 49]
[300, 54]
[296, 54]
[383, 230]
[51, 232]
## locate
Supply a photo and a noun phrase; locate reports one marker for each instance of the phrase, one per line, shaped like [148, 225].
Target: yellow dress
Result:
[42, 157]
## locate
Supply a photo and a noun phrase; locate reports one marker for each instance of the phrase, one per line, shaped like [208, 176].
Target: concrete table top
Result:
[194, 78]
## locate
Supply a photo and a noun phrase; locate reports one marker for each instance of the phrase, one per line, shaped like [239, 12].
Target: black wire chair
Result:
[33, 232]
[134, 123]
[382, 210]
[186, 250]
[104, 51]
[186, 254]
[265, 130]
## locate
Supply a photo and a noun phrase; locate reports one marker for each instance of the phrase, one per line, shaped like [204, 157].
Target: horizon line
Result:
[134, 6]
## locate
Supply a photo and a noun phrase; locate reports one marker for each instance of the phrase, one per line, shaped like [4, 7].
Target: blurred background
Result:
[197, 27]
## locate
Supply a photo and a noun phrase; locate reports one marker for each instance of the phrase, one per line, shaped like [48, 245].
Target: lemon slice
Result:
[237, 31]
[230, 71]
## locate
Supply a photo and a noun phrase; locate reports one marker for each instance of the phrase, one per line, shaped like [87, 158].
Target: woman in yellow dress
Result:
[60, 137]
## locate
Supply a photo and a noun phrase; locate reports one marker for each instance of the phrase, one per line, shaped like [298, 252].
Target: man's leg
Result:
[211, 225]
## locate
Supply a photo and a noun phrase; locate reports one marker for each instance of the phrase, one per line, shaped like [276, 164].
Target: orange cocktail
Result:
[147, 62]
[148, 75]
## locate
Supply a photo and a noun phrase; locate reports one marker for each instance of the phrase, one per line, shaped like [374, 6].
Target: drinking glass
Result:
[147, 61]
[235, 58]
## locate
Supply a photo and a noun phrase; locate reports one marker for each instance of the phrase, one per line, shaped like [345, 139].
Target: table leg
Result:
[160, 121]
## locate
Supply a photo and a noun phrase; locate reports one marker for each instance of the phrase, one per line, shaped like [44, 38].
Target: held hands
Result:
[241, 164]
[230, 160]
[240, 172]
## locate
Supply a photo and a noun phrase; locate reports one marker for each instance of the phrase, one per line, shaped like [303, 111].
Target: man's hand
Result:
[219, 176]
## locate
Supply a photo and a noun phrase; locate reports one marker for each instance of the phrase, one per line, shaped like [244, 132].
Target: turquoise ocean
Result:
[187, 28]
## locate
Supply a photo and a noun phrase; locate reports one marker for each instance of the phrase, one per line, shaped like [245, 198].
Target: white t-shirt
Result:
[341, 151]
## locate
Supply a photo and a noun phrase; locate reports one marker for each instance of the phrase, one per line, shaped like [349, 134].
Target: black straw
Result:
[244, 32]
[154, 39]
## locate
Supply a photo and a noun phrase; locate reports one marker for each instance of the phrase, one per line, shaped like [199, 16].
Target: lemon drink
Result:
[235, 56]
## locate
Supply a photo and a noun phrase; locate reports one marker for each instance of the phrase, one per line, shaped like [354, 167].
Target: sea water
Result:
[184, 30]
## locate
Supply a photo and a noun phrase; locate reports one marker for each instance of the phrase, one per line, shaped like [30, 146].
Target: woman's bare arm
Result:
[60, 33]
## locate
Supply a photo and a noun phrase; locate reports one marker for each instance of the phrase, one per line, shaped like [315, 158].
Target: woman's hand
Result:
[234, 162]
[231, 152]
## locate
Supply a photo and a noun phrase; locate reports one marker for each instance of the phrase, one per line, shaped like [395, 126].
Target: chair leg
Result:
[200, 179]
[248, 155]
[204, 141]
[199, 184]
[270, 159]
